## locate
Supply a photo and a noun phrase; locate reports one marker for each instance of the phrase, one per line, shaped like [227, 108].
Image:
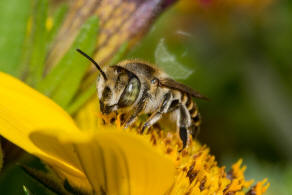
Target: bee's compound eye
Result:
[130, 93]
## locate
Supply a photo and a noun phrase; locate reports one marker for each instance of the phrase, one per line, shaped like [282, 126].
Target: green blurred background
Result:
[237, 53]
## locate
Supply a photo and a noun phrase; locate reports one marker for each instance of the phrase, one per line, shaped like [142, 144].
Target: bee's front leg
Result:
[137, 110]
[156, 116]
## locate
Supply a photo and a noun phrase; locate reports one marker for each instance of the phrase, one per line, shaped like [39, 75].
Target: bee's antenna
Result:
[94, 62]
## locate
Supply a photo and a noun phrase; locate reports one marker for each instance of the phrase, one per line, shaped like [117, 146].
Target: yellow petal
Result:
[23, 110]
[88, 117]
[117, 161]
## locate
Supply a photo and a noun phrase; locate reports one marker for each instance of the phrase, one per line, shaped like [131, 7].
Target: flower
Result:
[87, 156]
[106, 158]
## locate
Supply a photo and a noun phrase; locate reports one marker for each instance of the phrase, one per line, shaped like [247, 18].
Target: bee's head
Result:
[120, 89]
[116, 87]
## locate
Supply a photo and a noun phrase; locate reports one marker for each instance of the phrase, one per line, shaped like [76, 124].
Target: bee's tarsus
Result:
[183, 133]
[145, 126]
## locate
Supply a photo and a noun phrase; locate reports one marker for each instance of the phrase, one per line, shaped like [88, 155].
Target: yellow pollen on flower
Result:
[260, 187]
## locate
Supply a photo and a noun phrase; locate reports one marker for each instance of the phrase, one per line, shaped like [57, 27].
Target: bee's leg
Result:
[156, 116]
[123, 118]
[137, 110]
[183, 134]
[183, 120]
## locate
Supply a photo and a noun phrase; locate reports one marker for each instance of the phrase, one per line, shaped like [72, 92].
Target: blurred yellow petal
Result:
[23, 110]
[88, 117]
[116, 161]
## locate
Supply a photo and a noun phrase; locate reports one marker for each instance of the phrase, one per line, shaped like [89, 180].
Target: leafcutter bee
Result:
[134, 88]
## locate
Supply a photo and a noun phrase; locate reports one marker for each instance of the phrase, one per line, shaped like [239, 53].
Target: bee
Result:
[134, 88]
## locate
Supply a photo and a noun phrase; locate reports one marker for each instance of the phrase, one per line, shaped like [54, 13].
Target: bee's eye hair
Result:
[130, 93]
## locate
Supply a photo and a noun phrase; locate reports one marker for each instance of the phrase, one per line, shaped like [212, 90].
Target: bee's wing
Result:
[170, 83]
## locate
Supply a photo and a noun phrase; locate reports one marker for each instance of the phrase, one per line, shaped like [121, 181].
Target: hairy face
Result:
[120, 89]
